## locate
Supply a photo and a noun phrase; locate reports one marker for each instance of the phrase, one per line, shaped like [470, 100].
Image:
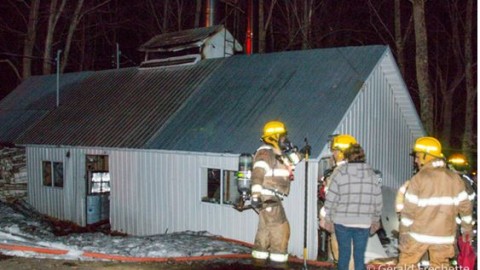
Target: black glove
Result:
[256, 202]
[306, 150]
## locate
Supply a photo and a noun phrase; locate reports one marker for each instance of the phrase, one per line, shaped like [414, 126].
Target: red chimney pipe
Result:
[249, 37]
[210, 9]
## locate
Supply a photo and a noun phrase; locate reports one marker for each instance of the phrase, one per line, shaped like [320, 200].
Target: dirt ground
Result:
[22, 263]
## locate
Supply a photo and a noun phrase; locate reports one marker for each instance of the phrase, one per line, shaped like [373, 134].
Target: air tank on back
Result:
[244, 174]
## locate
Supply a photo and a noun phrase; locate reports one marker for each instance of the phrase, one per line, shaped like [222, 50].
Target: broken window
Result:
[100, 182]
[220, 186]
[98, 176]
[52, 174]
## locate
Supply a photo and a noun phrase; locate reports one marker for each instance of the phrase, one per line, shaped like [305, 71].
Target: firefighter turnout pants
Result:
[411, 251]
[273, 233]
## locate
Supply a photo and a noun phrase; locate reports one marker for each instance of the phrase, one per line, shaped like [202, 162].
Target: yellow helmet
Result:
[342, 142]
[274, 128]
[272, 132]
[458, 162]
[428, 145]
[457, 159]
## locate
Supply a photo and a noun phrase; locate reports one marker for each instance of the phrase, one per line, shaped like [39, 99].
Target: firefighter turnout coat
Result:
[433, 199]
[271, 176]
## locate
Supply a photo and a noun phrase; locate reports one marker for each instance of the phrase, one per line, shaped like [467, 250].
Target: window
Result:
[100, 182]
[98, 175]
[52, 174]
[220, 187]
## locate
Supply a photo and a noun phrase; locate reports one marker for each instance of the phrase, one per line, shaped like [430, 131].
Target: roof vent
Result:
[190, 59]
[189, 46]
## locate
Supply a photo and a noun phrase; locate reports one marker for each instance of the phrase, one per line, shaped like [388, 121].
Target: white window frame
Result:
[222, 186]
[53, 175]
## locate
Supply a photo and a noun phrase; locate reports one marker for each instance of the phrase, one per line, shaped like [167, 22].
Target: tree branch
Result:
[12, 66]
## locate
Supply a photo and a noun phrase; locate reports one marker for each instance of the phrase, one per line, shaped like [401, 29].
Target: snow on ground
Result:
[29, 229]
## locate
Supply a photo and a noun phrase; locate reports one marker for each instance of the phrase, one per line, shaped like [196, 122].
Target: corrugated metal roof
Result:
[118, 108]
[30, 101]
[180, 37]
[309, 91]
[217, 105]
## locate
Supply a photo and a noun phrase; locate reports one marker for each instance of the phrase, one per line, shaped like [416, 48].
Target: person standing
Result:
[273, 166]
[338, 145]
[434, 198]
[353, 204]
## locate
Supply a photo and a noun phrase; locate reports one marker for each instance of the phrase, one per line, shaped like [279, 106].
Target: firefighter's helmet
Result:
[429, 146]
[272, 131]
[458, 162]
[342, 142]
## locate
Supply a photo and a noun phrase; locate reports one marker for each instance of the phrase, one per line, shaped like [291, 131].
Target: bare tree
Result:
[29, 40]
[78, 14]
[399, 36]
[307, 24]
[71, 30]
[468, 142]
[166, 4]
[54, 15]
[262, 24]
[198, 12]
[179, 14]
[450, 73]
[289, 24]
[14, 68]
[400, 39]
[152, 10]
[421, 63]
[261, 29]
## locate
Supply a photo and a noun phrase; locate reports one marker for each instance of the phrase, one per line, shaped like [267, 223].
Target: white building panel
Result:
[379, 123]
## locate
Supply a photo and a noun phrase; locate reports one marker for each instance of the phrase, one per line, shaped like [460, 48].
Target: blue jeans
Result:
[345, 237]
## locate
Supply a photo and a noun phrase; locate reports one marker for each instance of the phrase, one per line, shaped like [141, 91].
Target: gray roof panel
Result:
[216, 105]
[118, 108]
[30, 102]
[309, 91]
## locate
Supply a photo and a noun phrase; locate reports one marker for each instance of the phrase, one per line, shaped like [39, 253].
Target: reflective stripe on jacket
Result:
[271, 171]
[400, 198]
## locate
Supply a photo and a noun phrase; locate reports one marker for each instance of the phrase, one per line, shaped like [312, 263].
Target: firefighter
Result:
[273, 167]
[458, 163]
[434, 198]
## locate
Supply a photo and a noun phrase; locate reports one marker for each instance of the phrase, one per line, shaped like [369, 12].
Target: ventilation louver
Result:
[172, 61]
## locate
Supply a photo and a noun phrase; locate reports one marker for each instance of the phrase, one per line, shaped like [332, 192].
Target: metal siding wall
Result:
[47, 200]
[294, 207]
[376, 120]
[155, 192]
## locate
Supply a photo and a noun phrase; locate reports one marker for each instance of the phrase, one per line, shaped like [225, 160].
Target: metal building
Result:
[159, 146]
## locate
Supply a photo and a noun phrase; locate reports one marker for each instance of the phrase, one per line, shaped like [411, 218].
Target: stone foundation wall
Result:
[13, 174]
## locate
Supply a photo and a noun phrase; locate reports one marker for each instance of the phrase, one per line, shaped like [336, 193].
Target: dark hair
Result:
[355, 153]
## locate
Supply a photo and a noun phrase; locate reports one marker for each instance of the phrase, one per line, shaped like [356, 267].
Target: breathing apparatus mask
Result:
[289, 150]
